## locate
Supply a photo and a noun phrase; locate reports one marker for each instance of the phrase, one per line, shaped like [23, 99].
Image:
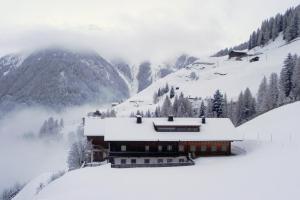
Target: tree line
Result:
[287, 23]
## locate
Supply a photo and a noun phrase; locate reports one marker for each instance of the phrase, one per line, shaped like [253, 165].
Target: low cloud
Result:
[135, 30]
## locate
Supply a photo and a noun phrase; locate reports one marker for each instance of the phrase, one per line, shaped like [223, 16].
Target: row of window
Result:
[176, 129]
[147, 161]
[203, 148]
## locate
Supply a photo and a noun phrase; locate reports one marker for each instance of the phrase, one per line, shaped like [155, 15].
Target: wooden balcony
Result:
[188, 163]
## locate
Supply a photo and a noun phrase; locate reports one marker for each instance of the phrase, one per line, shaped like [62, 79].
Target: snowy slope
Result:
[262, 169]
[214, 73]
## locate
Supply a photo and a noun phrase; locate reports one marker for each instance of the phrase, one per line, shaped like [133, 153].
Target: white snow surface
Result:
[263, 168]
[126, 129]
[230, 76]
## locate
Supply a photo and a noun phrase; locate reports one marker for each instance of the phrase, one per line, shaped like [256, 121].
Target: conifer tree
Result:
[262, 96]
[172, 92]
[202, 109]
[272, 92]
[218, 102]
[296, 81]
[286, 75]
[166, 109]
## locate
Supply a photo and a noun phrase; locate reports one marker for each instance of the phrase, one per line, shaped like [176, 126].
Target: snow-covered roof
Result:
[126, 129]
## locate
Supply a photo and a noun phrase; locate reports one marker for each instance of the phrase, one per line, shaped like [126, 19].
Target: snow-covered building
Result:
[237, 54]
[135, 142]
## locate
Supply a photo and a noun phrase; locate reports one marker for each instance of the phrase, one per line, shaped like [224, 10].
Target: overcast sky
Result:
[133, 29]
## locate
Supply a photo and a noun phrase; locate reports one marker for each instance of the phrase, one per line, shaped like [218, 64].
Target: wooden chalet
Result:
[237, 54]
[148, 142]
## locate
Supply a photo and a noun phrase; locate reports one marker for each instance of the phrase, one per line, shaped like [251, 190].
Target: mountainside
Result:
[203, 78]
[58, 77]
[10, 63]
[260, 160]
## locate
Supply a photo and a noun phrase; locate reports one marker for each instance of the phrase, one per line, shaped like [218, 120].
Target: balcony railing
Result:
[187, 163]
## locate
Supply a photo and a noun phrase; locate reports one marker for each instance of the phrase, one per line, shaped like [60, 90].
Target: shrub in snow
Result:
[79, 150]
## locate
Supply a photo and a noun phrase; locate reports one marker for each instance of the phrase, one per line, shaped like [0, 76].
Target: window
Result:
[123, 148]
[224, 148]
[213, 148]
[203, 148]
[193, 148]
[169, 160]
[181, 160]
[147, 148]
[159, 148]
[177, 128]
[169, 147]
[181, 148]
[147, 161]
[160, 160]
[133, 161]
[123, 161]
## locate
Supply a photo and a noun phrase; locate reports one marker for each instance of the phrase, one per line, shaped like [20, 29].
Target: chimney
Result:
[170, 118]
[203, 120]
[138, 119]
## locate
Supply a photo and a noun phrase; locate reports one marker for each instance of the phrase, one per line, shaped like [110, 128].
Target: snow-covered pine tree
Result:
[148, 114]
[159, 93]
[209, 108]
[296, 81]
[248, 108]
[166, 109]
[262, 96]
[132, 114]
[225, 106]
[293, 27]
[166, 89]
[180, 110]
[238, 112]
[286, 75]
[202, 109]
[172, 92]
[157, 112]
[231, 111]
[155, 98]
[175, 106]
[218, 104]
[272, 96]
[275, 27]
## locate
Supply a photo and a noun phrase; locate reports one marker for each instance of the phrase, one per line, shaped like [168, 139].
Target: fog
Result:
[133, 30]
[24, 155]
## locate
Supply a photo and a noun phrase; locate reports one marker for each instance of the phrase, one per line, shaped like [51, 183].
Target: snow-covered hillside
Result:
[264, 167]
[230, 76]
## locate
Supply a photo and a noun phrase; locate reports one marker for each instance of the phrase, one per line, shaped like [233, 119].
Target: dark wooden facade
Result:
[236, 54]
[109, 149]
